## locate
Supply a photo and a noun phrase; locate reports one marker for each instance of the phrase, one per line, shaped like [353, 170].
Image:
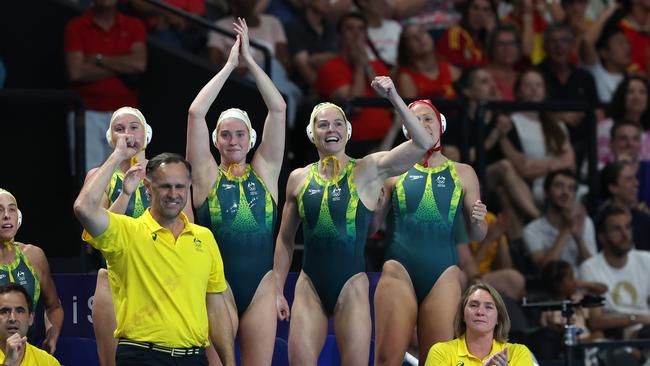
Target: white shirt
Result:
[386, 39]
[606, 82]
[539, 234]
[628, 287]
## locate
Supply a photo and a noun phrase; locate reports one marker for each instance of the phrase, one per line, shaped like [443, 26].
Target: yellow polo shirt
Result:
[159, 284]
[455, 353]
[34, 357]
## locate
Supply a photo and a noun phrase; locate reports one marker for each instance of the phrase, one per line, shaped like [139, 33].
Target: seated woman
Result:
[481, 326]
[538, 144]
[420, 73]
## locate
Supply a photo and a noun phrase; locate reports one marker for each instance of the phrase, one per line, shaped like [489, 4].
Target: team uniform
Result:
[20, 271]
[138, 202]
[34, 357]
[241, 214]
[159, 283]
[335, 229]
[455, 353]
[427, 204]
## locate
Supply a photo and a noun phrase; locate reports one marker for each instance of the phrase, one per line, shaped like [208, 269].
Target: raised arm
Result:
[402, 157]
[286, 240]
[267, 161]
[204, 167]
[131, 182]
[92, 216]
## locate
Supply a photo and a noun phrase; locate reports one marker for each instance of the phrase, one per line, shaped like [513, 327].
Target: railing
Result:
[204, 23]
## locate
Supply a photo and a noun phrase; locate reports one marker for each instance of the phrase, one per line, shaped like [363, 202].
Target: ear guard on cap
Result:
[240, 115]
[132, 111]
[20, 219]
[443, 121]
[312, 117]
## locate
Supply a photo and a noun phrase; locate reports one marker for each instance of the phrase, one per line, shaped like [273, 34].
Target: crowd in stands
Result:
[550, 234]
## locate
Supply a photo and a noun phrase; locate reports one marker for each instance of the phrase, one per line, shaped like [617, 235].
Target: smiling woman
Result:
[481, 326]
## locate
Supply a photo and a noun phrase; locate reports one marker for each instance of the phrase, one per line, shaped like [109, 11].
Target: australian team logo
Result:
[440, 180]
[198, 244]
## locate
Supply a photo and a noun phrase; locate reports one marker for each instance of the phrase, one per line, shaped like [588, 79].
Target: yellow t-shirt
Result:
[455, 353]
[34, 357]
[159, 284]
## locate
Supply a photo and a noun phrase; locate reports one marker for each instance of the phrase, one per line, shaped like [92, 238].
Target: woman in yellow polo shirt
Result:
[481, 326]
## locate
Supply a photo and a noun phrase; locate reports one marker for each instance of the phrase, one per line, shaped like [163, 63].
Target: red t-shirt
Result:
[639, 46]
[367, 123]
[440, 87]
[83, 35]
[459, 48]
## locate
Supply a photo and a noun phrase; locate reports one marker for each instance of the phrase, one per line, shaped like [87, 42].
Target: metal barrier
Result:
[202, 22]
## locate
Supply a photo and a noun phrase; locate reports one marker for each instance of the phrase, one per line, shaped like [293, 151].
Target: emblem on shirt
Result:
[20, 276]
[460, 363]
[2, 276]
[154, 236]
[415, 177]
[228, 186]
[441, 181]
[312, 192]
[198, 244]
[336, 194]
[252, 188]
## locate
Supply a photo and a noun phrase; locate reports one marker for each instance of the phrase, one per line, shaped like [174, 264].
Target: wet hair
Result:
[16, 287]
[562, 172]
[502, 327]
[351, 15]
[166, 158]
[617, 108]
[605, 213]
[554, 135]
[552, 274]
[492, 38]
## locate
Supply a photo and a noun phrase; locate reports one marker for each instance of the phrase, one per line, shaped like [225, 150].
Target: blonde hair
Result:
[502, 327]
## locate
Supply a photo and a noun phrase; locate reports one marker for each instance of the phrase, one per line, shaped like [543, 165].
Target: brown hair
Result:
[554, 135]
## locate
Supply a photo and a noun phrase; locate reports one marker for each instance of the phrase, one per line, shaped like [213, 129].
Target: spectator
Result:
[527, 16]
[420, 73]
[463, 44]
[560, 283]
[605, 53]
[266, 30]
[172, 29]
[481, 327]
[504, 53]
[436, 16]
[620, 187]
[538, 144]
[478, 85]
[492, 254]
[349, 75]
[383, 33]
[565, 81]
[624, 270]
[635, 23]
[564, 231]
[630, 103]
[105, 52]
[27, 265]
[16, 315]
[312, 42]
